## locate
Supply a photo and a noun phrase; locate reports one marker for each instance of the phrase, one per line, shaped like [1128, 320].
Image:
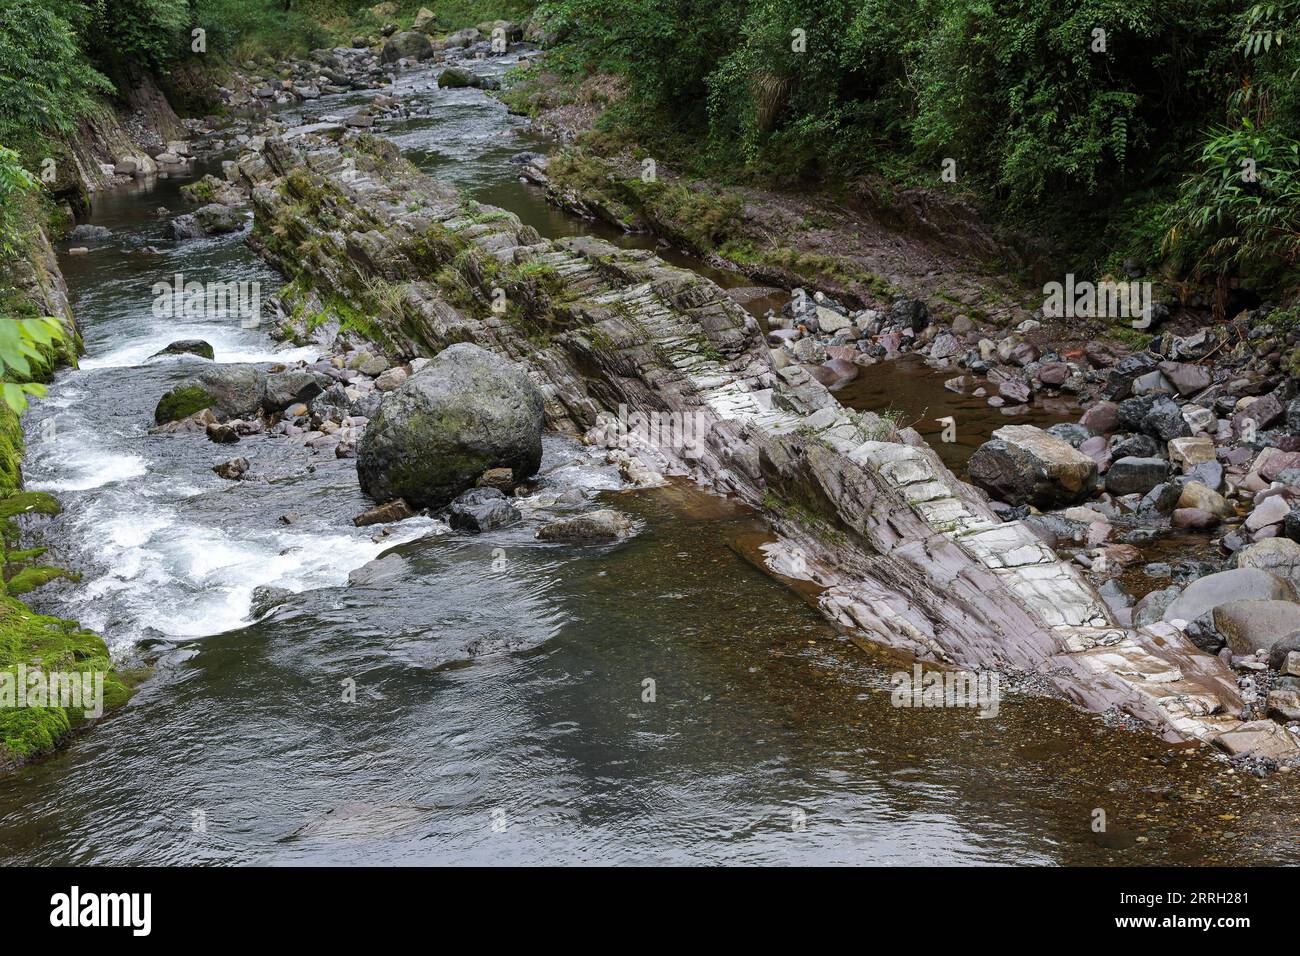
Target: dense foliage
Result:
[1098, 116]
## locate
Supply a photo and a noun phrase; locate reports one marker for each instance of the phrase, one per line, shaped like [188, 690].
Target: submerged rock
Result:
[467, 411]
[603, 525]
[1023, 464]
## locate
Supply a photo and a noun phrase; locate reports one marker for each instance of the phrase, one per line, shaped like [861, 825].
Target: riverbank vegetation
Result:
[1136, 136]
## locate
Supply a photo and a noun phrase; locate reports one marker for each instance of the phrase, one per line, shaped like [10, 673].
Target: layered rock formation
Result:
[905, 553]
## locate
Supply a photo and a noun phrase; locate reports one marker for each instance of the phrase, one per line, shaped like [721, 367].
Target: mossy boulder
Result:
[409, 44]
[49, 645]
[230, 391]
[454, 77]
[187, 347]
[467, 411]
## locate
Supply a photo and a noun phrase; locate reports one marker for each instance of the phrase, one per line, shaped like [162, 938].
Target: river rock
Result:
[390, 378]
[454, 77]
[1023, 464]
[1188, 379]
[1283, 655]
[1135, 476]
[1284, 703]
[1190, 452]
[395, 510]
[187, 347]
[1271, 510]
[1101, 419]
[230, 391]
[603, 525]
[1250, 626]
[288, 388]
[232, 470]
[1242, 584]
[267, 598]
[213, 219]
[467, 411]
[1198, 496]
[409, 44]
[1194, 519]
[482, 509]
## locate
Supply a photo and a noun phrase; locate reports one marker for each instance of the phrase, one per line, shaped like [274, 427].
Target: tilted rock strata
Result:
[906, 553]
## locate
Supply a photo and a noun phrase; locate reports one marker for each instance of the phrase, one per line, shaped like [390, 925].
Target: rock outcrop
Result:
[900, 551]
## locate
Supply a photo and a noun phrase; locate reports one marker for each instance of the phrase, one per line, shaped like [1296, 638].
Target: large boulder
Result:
[1250, 626]
[409, 44]
[214, 219]
[291, 387]
[1023, 464]
[468, 410]
[230, 391]
[1243, 584]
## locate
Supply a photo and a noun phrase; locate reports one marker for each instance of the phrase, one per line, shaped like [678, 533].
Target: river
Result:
[493, 699]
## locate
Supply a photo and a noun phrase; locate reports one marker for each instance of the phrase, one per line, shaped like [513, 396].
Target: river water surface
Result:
[432, 697]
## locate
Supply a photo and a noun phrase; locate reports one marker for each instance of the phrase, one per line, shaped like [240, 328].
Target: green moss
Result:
[182, 402]
[48, 644]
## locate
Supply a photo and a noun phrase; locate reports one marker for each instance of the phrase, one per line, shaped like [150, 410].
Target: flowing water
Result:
[434, 697]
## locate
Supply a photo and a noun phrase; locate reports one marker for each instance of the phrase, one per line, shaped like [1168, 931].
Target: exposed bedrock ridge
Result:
[907, 554]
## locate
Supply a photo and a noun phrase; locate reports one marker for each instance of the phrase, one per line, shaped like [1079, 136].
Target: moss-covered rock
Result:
[469, 410]
[231, 391]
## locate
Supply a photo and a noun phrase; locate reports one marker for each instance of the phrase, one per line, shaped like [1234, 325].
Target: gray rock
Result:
[1072, 432]
[1162, 499]
[1250, 626]
[455, 77]
[1136, 476]
[603, 525]
[187, 347]
[213, 219]
[482, 509]
[410, 45]
[1023, 464]
[231, 391]
[1281, 556]
[1208, 473]
[467, 411]
[1151, 607]
[289, 388]
[1277, 654]
[1205, 594]
[267, 598]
